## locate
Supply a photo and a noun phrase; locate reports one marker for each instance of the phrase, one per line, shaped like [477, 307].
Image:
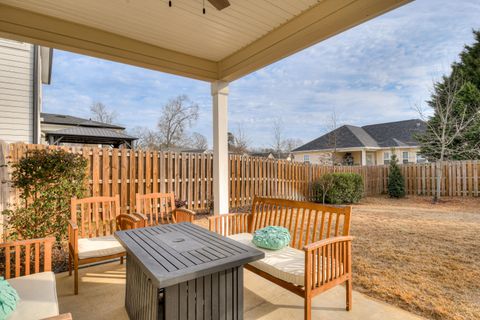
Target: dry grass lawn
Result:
[421, 257]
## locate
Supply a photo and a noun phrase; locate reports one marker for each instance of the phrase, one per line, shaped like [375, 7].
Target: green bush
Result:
[46, 181]
[338, 188]
[396, 182]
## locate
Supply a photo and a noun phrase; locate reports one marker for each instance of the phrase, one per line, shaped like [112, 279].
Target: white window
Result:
[386, 157]
[306, 158]
[405, 156]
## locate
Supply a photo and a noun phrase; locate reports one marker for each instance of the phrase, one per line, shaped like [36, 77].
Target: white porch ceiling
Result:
[182, 27]
[220, 45]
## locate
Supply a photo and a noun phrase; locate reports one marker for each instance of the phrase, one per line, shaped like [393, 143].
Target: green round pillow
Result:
[8, 299]
[271, 237]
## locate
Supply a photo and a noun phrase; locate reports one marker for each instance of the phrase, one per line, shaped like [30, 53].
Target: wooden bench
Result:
[319, 255]
[34, 282]
[159, 208]
[90, 231]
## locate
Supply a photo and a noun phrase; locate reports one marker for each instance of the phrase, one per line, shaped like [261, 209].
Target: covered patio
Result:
[218, 46]
[103, 287]
[189, 39]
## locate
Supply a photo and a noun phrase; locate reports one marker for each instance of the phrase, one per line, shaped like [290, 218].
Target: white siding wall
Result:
[16, 89]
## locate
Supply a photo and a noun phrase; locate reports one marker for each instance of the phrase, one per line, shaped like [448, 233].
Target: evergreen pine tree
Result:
[396, 182]
[467, 102]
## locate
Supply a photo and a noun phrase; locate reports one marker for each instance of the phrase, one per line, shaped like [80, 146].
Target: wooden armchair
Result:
[33, 280]
[90, 231]
[159, 208]
[319, 255]
[24, 257]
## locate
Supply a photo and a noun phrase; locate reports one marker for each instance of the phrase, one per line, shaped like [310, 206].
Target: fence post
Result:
[4, 182]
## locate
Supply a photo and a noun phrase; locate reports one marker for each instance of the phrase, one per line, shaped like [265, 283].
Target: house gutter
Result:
[35, 94]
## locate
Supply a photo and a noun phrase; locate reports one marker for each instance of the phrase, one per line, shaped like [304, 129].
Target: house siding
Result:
[317, 157]
[16, 91]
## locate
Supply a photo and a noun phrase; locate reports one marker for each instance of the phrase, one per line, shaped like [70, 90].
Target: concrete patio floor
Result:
[102, 294]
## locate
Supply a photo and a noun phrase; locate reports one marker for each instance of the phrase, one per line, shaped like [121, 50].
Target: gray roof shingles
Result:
[62, 119]
[391, 134]
[91, 132]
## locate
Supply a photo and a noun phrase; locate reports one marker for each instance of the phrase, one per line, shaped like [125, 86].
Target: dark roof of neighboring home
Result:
[281, 155]
[62, 119]
[391, 134]
[183, 149]
[396, 134]
[91, 132]
[278, 156]
[260, 154]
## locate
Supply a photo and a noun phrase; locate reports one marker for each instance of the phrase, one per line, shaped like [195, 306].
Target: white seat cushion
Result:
[38, 296]
[287, 264]
[98, 247]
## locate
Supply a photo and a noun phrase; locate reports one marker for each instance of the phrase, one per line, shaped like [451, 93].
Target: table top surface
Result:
[175, 253]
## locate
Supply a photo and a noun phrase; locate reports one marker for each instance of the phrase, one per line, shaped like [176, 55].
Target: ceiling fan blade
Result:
[219, 4]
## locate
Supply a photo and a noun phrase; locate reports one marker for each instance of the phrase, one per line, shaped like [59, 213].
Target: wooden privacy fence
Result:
[190, 176]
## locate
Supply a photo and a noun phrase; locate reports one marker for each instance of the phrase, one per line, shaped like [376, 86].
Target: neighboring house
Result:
[63, 129]
[268, 155]
[368, 145]
[23, 69]
[272, 155]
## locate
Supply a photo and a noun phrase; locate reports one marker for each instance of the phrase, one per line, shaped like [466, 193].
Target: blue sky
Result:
[375, 72]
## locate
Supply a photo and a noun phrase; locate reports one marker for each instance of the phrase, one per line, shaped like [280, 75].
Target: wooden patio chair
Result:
[159, 208]
[90, 231]
[27, 267]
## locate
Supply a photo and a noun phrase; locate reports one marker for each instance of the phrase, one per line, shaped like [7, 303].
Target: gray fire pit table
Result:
[182, 271]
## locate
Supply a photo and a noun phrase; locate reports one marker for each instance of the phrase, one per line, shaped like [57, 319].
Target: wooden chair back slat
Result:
[157, 207]
[37, 257]
[307, 222]
[27, 258]
[95, 216]
[18, 257]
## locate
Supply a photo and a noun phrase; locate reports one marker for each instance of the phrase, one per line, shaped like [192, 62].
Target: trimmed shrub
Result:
[338, 188]
[396, 182]
[46, 181]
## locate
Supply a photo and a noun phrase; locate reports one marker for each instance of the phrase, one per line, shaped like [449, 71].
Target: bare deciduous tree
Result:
[238, 142]
[324, 185]
[278, 140]
[177, 115]
[333, 137]
[198, 141]
[291, 144]
[101, 113]
[147, 139]
[446, 126]
[331, 126]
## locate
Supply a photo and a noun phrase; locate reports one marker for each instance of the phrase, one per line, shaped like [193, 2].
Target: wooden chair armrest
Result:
[229, 224]
[128, 221]
[324, 242]
[72, 225]
[143, 219]
[183, 215]
[64, 316]
[328, 263]
[72, 236]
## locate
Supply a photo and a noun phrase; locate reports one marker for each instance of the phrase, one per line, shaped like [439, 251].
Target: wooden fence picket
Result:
[190, 176]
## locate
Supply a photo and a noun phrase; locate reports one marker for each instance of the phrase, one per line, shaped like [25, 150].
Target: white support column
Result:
[220, 147]
[364, 157]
